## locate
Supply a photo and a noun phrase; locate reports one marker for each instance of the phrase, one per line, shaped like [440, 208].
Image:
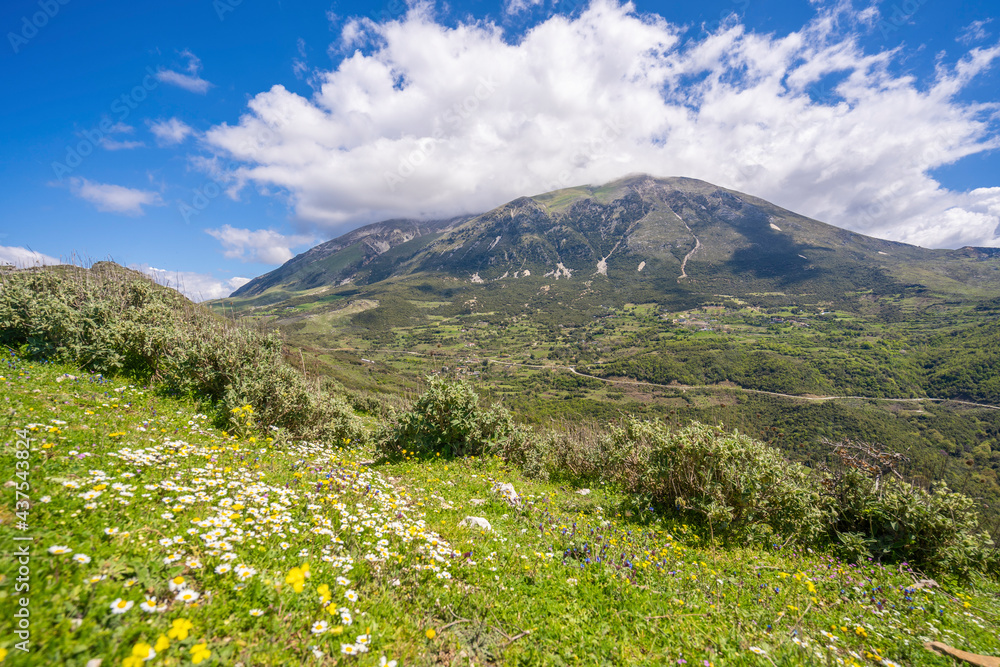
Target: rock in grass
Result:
[476, 522]
[583, 492]
[507, 492]
[477, 501]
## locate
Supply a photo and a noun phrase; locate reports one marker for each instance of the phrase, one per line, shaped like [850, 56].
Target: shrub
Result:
[116, 321]
[890, 519]
[447, 419]
[741, 487]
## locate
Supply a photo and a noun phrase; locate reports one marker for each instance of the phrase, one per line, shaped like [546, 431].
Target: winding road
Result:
[712, 387]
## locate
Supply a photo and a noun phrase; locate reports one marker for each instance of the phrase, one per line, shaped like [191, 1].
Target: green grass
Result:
[116, 471]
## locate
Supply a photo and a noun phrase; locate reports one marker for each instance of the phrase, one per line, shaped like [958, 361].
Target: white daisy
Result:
[120, 606]
[187, 595]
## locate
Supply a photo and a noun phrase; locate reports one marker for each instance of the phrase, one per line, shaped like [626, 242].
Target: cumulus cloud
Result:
[114, 198]
[189, 79]
[170, 132]
[195, 286]
[261, 245]
[25, 258]
[432, 120]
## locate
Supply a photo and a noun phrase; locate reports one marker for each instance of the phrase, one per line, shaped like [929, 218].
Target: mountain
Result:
[640, 233]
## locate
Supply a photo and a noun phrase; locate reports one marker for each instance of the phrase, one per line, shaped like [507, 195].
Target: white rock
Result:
[507, 492]
[476, 522]
[583, 492]
[477, 501]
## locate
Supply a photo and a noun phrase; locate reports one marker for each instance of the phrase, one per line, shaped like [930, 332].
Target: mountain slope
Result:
[339, 259]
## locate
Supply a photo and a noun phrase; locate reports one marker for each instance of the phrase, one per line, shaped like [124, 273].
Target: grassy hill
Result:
[134, 499]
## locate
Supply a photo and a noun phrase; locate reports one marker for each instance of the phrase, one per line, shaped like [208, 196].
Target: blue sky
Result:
[208, 141]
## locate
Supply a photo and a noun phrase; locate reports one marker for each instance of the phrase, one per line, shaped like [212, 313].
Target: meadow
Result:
[158, 538]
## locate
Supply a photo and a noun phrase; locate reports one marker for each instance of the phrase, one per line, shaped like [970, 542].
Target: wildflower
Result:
[348, 649]
[351, 595]
[430, 633]
[149, 605]
[120, 606]
[363, 640]
[162, 644]
[187, 595]
[343, 581]
[141, 653]
[297, 577]
[382, 662]
[176, 584]
[200, 652]
[319, 627]
[180, 629]
[256, 612]
[82, 558]
[758, 650]
[110, 532]
[59, 550]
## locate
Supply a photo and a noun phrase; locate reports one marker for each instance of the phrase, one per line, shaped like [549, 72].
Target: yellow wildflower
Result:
[180, 629]
[200, 652]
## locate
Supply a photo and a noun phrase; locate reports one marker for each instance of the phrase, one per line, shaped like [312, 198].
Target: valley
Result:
[725, 323]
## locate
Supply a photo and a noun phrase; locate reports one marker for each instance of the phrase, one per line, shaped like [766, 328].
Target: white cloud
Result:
[262, 245]
[300, 65]
[518, 6]
[189, 81]
[107, 143]
[975, 31]
[24, 258]
[429, 120]
[195, 286]
[169, 132]
[114, 198]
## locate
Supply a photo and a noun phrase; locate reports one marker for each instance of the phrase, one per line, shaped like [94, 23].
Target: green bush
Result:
[890, 519]
[447, 419]
[740, 487]
[112, 320]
